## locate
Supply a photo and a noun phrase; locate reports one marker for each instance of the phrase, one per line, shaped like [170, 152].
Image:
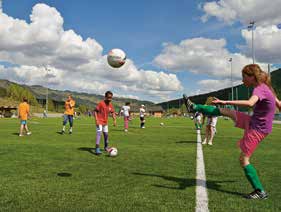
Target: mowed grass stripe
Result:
[154, 171]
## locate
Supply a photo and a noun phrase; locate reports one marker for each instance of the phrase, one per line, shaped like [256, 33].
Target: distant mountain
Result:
[81, 98]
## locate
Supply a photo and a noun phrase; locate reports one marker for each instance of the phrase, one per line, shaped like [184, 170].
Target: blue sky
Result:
[157, 36]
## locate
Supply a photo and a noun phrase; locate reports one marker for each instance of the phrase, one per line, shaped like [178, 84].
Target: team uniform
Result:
[142, 119]
[23, 110]
[68, 114]
[259, 125]
[210, 129]
[102, 111]
[126, 113]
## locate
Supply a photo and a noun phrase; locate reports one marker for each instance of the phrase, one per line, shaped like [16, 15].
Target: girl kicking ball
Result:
[256, 127]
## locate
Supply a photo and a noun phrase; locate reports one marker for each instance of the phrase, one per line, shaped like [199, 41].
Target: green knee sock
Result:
[252, 176]
[198, 126]
[207, 109]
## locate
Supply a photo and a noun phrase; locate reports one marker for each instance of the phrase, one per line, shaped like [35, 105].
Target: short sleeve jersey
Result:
[23, 110]
[69, 107]
[264, 109]
[126, 110]
[142, 112]
[103, 111]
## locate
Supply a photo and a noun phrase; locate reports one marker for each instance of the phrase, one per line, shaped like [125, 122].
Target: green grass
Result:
[154, 170]
[226, 180]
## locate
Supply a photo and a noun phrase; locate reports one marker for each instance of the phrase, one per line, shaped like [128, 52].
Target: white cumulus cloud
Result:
[202, 56]
[267, 43]
[76, 63]
[263, 12]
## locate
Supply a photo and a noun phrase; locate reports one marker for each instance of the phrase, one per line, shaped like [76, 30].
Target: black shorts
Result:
[142, 118]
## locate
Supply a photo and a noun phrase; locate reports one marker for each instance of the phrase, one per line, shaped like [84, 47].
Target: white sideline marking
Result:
[201, 188]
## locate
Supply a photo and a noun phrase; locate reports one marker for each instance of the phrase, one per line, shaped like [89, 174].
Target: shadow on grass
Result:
[186, 142]
[15, 133]
[87, 149]
[64, 174]
[187, 182]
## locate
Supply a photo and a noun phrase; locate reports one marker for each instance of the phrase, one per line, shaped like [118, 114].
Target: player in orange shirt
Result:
[23, 115]
[68, 113]
[101, 117]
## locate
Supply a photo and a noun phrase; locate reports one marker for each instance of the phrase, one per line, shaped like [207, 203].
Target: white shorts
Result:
[212, 121]
[102, 128]
[197, 119]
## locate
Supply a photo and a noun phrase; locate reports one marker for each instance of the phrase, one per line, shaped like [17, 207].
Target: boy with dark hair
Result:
[103, 109]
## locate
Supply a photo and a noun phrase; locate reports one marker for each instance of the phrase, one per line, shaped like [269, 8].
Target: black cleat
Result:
[188, 104]
[70, 132]
[62, 132]
[256, 194]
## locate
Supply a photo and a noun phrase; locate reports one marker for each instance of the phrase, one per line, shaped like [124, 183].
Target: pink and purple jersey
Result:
[264, 109]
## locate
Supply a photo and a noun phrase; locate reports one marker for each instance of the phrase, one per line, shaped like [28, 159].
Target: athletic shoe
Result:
[204, 142]
[210, 143]
[125, 130]
[98, 152]
[70, 132]
[20, 135]
[256, 194]
[143, 127]
[188, 103]
[28, 133]
[62, 132]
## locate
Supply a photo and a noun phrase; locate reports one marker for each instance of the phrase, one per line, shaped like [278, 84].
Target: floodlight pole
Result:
[230, 60]
[268, 69]
[47, 92]
[251, 27]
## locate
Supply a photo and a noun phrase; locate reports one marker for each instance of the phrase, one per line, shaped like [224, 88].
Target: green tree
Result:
[83, 108]
[17, 92]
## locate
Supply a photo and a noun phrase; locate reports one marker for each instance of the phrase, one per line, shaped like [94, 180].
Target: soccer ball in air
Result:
[161, 124]
[116, 58]
[113, 152]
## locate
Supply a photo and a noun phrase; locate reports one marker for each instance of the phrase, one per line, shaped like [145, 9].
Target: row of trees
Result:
[17, 92]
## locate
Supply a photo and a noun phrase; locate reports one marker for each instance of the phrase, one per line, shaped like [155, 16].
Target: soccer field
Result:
[154, 171]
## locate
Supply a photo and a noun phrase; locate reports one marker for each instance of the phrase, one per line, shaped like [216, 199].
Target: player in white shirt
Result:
[125, 110]
[210, 125]
[210, 129]
[142, 115]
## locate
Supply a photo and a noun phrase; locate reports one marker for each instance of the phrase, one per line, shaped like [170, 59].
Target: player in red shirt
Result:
[103, 109]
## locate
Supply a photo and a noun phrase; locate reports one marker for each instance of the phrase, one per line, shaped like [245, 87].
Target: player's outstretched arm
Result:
[245, 103]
